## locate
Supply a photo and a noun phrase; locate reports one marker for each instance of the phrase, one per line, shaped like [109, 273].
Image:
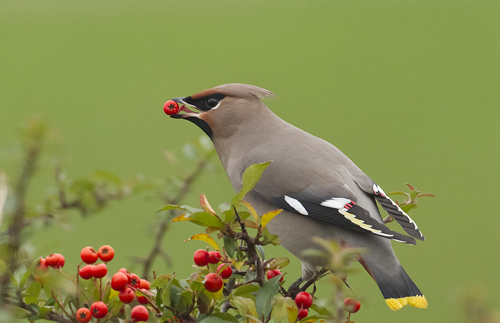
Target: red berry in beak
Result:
[171, 107]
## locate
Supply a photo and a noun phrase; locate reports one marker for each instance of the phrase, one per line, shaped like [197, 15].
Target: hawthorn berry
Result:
[42, 266]
[273, 273]
[171, 107]
[127, 273]
[126, 295]
[142, 299]
[304, 300]
[213, 282]
[83, 315]
[144, 284]
[86, 272]
[351, 305]
[135, 281]
[99, 310]
[89, 255]
[139, 314]
[99, 271]
[106, 253]
[226, 273]
[214, 257]
[302, 314]
[118, 281]
[55, 260]
[201, 257]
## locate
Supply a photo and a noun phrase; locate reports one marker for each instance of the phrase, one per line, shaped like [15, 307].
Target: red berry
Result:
[302, 314]
[42, 266]
[126, 295]
[86, 272]
[99, 271]
[304, 300]
[351, 305]
[83, 315]
[119, 281]
[139, 314]
[213, 283]
[226, 273]
[55, 260]
[99, 310]
[273, 273]
[171, 107]
[142, 299]
[214, 257]
[127, 273]
[144, 284]
[135, 281]
[89, 255]
[106, 253]
[201, 257]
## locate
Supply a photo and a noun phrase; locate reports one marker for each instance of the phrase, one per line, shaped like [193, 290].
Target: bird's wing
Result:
[372, 188]
[338, 209]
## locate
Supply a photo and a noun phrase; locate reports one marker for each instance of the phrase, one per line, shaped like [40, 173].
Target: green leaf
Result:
[170, 207]
[279, 308]
[197, 286]
[320, 310]
[220, 318]
[203, 303]
[408, 207]
[27, 274]
[33, 292]
[245, 306]
[426, 195]
[128, 312]
[265, 295]
[245, 289]
[261, 251]
[413, 194]
[107, 176]
[205, 219]
[251, 176]
[161, 281]
[5, 269]
[229, 245]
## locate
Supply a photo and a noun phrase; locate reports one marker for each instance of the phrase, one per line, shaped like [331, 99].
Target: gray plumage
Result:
[323, 193]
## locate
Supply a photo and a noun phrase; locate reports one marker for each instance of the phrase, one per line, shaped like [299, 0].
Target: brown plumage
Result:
[322, 192]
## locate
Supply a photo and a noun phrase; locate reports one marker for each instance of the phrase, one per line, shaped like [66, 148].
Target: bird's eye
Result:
[212, 103]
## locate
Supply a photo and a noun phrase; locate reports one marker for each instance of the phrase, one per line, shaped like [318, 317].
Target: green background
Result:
[409, 90]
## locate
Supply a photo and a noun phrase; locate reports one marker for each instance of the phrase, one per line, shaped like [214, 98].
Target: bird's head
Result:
[220, 110]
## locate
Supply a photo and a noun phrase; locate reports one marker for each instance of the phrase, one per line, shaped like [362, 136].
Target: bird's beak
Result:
[188, 112]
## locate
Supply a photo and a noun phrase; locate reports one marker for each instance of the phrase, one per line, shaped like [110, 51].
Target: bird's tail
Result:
[397, 288]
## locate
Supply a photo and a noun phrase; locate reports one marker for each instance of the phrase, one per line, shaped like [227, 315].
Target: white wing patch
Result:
[296, 205]
[336, 202]
[343, 205]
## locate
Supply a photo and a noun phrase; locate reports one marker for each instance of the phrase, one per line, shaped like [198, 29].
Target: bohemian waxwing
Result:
[321, 191]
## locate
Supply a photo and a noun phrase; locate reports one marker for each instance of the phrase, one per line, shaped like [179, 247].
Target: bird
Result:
[321, 191]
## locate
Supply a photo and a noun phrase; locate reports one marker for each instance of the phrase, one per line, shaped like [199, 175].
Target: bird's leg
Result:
[294, 288]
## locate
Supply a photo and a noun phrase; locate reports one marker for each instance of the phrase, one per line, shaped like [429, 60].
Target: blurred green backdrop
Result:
[409, 90]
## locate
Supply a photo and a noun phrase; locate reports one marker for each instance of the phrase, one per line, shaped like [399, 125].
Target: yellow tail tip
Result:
[398, 303]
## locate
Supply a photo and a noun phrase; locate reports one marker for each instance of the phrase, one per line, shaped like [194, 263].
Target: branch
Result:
[163, 225]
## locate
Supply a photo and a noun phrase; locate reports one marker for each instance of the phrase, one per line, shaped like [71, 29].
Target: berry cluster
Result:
[123, 281]
[303, 300]
[213, 281]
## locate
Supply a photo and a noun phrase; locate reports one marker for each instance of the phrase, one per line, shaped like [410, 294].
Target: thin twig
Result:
[163, 225]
